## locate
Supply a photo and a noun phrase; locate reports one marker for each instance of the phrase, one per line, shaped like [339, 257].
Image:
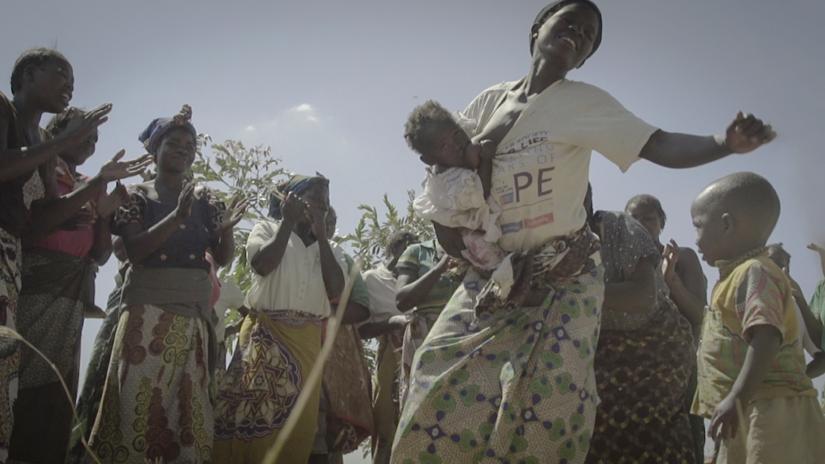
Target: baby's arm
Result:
[485, 165]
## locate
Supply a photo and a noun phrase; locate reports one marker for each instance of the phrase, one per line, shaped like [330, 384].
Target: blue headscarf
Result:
[159, 127]
[296, 184]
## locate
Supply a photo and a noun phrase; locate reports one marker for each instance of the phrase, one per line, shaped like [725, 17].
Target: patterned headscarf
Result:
[550, 9]
[296, 184]
[159, 127]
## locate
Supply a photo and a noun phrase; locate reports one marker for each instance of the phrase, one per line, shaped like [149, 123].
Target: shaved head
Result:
[745, 200]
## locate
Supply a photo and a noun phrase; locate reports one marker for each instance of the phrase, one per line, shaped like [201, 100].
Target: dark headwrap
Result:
[550, 9]
[158, 128]
[296, 184]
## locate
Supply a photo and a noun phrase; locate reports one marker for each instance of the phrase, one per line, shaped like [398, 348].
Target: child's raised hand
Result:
[725, 420]
[817, 248]
[747, 133]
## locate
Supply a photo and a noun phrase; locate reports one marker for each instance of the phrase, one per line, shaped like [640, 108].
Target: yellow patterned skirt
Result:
[276, 350]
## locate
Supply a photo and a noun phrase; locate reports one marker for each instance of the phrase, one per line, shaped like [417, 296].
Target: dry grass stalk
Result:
[333, 324]
[6, 332]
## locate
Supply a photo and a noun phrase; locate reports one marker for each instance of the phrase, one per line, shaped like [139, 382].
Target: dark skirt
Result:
[643, 380]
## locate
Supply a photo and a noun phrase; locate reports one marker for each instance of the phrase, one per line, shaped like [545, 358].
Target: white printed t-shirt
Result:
[297, 283]
[541, 167]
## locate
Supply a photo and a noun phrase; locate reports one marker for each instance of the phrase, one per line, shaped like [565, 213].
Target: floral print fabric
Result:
[156, 403]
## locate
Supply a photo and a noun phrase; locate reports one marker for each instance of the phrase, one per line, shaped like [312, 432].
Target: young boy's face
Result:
[449, 148]
[711, 231]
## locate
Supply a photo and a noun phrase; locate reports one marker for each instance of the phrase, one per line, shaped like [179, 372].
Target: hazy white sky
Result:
[329, 84]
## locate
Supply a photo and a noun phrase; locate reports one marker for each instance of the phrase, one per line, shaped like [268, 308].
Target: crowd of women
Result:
[589, 357]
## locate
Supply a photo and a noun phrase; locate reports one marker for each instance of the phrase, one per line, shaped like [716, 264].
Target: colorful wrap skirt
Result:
[507, 385]
[276, 351]
[58, 288]
[156, 401]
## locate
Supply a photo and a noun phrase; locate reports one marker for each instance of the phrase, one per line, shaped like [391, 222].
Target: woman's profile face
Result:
[78, 154]
[568, 35]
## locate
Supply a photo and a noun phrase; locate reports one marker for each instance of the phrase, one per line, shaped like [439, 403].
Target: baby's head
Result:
[780, 256]
[433, 133]
[734, 215]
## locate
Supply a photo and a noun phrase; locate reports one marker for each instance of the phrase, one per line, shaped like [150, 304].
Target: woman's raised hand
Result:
[185, 199]
[293, 208]
[234, 213]
[87, 126]
[110, 202]
[669, 259]
[318, 221]
[116, 169]
[747, 133]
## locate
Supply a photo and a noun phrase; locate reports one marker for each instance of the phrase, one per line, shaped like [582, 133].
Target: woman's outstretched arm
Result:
[674, 150]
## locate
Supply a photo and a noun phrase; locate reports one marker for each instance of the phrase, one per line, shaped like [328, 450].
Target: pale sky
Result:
[329, 84]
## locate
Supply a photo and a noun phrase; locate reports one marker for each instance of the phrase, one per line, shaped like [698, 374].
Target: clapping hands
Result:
[670, 257]
[108, 203]
[185, 199]
[88, 125]
[117, 170]
[234, 213]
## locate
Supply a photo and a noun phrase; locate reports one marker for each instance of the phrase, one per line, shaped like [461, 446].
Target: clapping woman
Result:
[156, 404]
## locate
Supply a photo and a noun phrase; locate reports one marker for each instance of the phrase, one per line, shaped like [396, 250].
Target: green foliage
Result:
[372, 233]
[232, 169]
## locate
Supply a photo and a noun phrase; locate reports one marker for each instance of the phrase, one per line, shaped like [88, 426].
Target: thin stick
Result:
[10, 333]
[333, 324]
